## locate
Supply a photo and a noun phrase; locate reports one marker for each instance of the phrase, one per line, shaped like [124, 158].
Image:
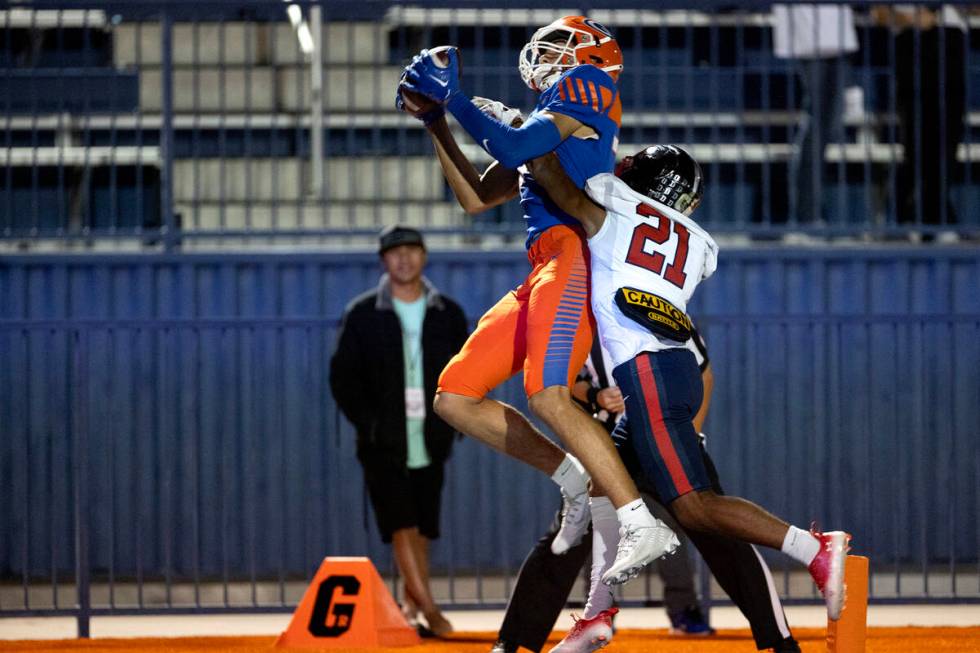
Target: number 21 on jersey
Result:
[660, 234]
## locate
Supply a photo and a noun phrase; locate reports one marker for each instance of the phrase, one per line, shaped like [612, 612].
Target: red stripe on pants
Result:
[661, 436]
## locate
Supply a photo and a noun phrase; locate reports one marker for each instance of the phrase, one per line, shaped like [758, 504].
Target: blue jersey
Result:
[589, 95]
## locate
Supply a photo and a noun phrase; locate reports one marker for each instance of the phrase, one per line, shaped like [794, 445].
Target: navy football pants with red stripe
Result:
[663, 392]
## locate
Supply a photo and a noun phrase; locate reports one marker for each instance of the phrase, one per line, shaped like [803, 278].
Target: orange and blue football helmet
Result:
[568, 42]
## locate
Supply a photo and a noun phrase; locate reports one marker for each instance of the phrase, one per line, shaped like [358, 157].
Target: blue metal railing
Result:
[166, 515]
[179, 121]
[168, 443]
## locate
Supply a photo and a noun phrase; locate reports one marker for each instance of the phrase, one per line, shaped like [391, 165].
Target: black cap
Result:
[396, 235]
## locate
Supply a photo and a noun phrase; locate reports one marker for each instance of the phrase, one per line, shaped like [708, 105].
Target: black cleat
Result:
[788, 645]
[503, 646]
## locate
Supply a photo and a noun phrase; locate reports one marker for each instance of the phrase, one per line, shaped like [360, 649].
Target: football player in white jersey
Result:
[648, 256]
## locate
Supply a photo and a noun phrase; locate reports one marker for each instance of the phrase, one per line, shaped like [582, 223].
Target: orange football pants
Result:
[544, 326]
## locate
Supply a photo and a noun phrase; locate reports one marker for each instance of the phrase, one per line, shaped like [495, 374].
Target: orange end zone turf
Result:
[879, 640]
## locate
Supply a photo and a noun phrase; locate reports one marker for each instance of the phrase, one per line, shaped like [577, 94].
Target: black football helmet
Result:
[665, 173]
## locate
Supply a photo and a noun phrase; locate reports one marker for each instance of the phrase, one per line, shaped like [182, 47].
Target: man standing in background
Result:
[393, 343]
[819, 37]
[930, 86]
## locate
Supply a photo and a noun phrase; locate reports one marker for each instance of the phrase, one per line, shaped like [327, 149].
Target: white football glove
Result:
[499, 111]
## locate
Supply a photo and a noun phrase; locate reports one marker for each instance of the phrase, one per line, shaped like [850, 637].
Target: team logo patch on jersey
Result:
[654, 313]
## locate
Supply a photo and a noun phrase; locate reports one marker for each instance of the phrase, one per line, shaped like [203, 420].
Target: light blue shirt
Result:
[411, 315]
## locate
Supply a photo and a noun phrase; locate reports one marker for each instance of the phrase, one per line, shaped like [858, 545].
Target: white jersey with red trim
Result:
[646, 245]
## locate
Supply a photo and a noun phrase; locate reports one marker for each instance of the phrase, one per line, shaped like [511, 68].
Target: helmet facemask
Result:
[687, 202]
[555, 43]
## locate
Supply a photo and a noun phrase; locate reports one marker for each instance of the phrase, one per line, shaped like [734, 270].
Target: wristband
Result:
[592, 396]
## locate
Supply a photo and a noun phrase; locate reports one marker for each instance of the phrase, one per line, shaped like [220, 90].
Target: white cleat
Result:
[575, 520]
[827, 569]
[638, 547]
[588, 635]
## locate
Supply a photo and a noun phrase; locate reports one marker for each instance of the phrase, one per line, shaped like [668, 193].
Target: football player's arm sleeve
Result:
[344, 373]
[512, 147]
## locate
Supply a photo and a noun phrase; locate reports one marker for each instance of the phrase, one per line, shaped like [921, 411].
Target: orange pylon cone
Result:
[347, 606]
[847, 634]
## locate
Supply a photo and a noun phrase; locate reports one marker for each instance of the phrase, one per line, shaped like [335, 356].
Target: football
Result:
[416, 103]
[440, 54]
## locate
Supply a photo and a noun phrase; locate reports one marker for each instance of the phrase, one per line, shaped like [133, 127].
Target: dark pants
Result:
[822, 82]
[662, 392]
[931, 100]
[545, 580]
[405, 498]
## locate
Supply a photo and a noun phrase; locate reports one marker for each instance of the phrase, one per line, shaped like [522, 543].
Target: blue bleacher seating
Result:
[73, 90]
[722, 70]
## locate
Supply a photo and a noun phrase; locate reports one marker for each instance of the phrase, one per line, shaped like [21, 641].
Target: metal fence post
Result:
[170, 235]
[316, 103]
[79, 425]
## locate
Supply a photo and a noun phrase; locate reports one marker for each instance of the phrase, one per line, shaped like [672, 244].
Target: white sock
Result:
[571, 476]
[605, 538]
[635, 513]
[800, 545]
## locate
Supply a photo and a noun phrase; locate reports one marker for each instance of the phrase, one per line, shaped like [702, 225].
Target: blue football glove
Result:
[425, 77]
[427, 117]
[399, 100]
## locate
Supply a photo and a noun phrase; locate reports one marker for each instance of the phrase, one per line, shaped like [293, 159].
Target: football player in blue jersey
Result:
[544, 326]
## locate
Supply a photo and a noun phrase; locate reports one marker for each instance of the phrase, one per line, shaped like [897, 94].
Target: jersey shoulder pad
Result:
[606, 188]
[588, 72]
[602, 188]
[584, 90]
